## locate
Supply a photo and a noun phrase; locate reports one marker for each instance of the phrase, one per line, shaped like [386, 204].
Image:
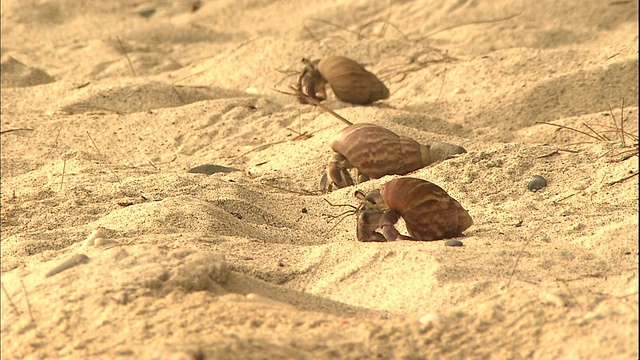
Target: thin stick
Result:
[316, 103]
[64, 165]
[623, 179]
[124, 52]
[622, 123]
[319, 41]
[264, 146]
[337, 26]
[106, 163]
[12, 130]
[564, 198]
[299, 117]
[568, 128]
[187, 77]
[470, 23]
[312, 35]
[615, 131]
[444, 74]
[26, 296]
[627, 154]
[557, 151]
[388, 73]
[55, 143]
[602, 137]
[572, 296]
[388, 22]
[312, 271]
[615, 122]
[384, 29]
[174, 85]
[383, 32]
[299, 192]
[385, 24]
[513, 271]
[13, 306]
[173, 88]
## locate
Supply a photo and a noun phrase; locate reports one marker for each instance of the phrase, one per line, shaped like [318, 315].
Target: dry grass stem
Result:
[99, 153]
[315, 102]
[515, 265]
[12, 130]
[64, 166]
[13, 305]
[124, 52]
[26, 296]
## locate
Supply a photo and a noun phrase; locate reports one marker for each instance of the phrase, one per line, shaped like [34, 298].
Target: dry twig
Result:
[13, 305]
[26, 296]
[601, 136]
[124, 52]
[103, 157]
[315, 102]
[12, 130]
[515, 265]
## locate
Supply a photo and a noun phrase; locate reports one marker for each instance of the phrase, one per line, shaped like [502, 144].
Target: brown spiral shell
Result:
[428, 211]
[376, 151]
[350, 81]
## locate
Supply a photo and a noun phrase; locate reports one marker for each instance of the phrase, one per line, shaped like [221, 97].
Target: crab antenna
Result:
[343, 216]
[344, 205]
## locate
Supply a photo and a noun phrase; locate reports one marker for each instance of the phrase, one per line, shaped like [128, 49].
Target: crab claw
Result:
[311, 83]
[336, 174]
[367, 224]
[388, 221]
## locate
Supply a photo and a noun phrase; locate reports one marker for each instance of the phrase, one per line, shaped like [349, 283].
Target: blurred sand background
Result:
[111, 102]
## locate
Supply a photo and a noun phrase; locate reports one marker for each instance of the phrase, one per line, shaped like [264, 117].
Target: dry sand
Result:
[246, 264]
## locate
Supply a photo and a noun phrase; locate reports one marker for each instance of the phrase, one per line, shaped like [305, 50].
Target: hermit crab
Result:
[350, 81]
[375, 151]
[428, 211]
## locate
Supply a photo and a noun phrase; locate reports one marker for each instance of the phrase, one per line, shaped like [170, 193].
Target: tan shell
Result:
[376, 151]
[428, 211]
[350, 81]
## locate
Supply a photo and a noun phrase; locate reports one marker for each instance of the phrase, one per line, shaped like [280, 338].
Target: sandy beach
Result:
[107, 106]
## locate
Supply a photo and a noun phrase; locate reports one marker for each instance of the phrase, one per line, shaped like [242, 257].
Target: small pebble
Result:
[429, 321]
[210, 169]
[252, 91]
[537, 183]
[551, 298]
[96, 234]
[146, 13]
[453, 243]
